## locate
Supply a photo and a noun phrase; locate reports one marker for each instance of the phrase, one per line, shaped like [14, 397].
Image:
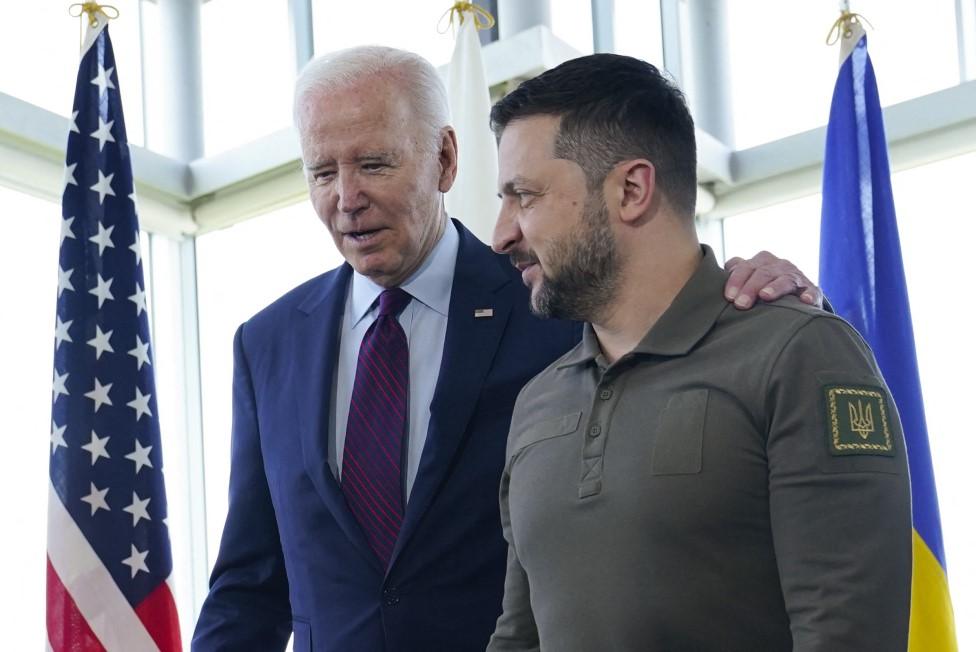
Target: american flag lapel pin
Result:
[484, 313]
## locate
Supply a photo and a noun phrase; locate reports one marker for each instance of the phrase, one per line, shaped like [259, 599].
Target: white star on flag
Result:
[136, 247]
[59, 387]
[104, 186]
[101, 342]
[136, 561]
[140, 456]
[139, 298]
[100, 395]
[104, 79]
[96, 498]
[61, 331]
[64, 280]
[69, 176]
[141, 352]
[57, 437]
[74, 125]
[104, 133]
[103, 290]
[140, 404]
[103, 238]
[97, 447]
[138, 509]
[66, 230]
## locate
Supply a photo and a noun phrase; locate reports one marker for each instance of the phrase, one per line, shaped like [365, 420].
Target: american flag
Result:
[108, 549]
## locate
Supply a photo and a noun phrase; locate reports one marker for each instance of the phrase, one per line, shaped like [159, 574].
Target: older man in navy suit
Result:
[371, 404]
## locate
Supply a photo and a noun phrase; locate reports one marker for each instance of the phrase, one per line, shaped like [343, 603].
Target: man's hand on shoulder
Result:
[766, 277]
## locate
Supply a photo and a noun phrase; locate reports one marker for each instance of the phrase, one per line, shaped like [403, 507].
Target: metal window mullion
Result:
[966, 38]
[602, 12]
[302, 31]
[671, 40]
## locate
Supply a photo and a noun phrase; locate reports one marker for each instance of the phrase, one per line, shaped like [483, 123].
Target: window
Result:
[637, 30]
[409, 26]
[240, 270]
[40, 54]
[572, 21]
[248, 71]
[783, 73]
[26, 348]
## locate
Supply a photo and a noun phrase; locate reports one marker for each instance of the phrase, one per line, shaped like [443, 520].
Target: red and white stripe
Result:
[86, 611]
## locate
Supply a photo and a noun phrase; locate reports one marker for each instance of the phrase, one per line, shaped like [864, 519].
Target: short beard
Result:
[586, 269]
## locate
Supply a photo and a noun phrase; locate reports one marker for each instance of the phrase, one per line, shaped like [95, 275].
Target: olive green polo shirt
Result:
[737, 482]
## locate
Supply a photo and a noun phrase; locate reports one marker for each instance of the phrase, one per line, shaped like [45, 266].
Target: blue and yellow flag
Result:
[861, 271]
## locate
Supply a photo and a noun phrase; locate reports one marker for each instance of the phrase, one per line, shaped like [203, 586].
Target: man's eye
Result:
[324, 175]
[374, 167]
[524, 198]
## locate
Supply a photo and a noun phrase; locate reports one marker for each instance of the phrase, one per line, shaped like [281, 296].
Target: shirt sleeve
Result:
[516, 629]
[839, 496]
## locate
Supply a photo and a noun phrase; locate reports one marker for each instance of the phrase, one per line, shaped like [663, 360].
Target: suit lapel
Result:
[469, 348]
[316, 354]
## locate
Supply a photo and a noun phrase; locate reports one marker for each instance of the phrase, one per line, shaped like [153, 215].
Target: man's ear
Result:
[448, 159]
[634, 188]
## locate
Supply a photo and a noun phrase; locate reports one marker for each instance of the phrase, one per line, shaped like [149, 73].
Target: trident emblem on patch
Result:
[862, 420]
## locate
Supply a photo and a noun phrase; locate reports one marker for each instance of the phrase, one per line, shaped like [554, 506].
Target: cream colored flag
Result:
[473, 199]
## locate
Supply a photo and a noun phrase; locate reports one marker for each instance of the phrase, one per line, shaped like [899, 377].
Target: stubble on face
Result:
[585, 269]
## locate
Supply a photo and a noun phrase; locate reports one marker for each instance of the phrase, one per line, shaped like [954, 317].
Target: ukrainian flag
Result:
[861, 272]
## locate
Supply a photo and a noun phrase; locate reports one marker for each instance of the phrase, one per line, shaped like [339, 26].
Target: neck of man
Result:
[658, 265]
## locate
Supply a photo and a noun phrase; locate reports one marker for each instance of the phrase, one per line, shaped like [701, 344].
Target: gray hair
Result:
[342, 68]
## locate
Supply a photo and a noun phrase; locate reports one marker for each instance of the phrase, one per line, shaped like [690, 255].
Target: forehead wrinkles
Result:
[348, 124]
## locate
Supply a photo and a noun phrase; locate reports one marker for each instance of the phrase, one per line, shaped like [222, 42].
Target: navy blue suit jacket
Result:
[292, 556]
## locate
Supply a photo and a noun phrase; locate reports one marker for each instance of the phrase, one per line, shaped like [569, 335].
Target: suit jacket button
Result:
[390, 596]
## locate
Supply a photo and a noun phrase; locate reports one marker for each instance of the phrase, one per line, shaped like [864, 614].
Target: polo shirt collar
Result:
[687, 320]
[693, 312]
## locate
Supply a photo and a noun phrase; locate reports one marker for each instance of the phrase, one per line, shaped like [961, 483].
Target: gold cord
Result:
[482, 18]
[842, 26]
[92, 8]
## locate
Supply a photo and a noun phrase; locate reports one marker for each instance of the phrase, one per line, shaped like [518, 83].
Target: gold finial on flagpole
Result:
[842, 27]
[481, 16]
[92, 8]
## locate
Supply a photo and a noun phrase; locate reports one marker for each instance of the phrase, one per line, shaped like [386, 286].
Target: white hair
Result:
[417, 77]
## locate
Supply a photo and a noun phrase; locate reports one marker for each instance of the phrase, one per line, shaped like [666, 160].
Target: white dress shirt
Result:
[424, 321]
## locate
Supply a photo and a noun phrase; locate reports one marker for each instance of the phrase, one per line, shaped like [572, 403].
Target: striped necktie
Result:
[371, 462]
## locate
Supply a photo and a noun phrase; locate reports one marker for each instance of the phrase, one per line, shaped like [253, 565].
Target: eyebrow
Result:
[509, 186]
[367, 157]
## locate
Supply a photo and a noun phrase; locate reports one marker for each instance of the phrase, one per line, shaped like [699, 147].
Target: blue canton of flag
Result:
[861, 271]
[109, 556]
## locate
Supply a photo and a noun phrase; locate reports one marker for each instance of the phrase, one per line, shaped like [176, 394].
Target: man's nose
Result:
[351, 196]
[507, 233]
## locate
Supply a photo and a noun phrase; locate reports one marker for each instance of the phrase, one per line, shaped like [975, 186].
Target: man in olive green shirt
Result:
[690, 476]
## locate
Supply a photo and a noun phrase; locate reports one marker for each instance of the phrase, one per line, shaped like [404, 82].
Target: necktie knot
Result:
[393, 301]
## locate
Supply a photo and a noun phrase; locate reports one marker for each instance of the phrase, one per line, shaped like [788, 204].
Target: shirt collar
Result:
[687, 320]
[430, 283]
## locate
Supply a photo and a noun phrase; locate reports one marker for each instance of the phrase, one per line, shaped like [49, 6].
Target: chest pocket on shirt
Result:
[680, 431]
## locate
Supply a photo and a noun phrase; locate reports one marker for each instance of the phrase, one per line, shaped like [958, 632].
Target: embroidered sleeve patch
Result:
[857, 421]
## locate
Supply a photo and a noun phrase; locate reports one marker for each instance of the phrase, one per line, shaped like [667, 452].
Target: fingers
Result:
[813, 296]
[740, 270]
[733, 262]
[766, 277]
[763, 281]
